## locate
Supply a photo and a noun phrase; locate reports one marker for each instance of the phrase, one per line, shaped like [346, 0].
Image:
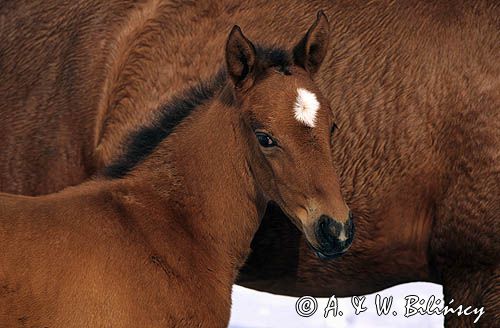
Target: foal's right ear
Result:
[240, 58]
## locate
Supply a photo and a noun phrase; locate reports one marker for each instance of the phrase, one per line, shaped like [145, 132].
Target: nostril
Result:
[329, 228]
[323, 232]
[324, 222]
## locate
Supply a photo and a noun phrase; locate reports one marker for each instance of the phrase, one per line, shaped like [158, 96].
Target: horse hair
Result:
[144, 141]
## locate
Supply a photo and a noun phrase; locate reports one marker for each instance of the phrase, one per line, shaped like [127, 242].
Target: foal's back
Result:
[79, 259]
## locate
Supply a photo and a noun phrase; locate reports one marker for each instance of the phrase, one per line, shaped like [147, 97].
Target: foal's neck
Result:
[216, 195]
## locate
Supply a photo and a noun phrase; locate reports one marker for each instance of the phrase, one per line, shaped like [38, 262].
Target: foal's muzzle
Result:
[334, 237]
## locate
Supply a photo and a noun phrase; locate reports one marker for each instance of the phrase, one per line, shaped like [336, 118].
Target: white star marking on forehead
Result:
[306, 107]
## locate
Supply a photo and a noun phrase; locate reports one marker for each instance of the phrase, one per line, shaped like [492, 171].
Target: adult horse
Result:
[415, 86]
[158, 240]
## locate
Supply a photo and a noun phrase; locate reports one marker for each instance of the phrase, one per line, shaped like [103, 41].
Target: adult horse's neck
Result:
[215, 193]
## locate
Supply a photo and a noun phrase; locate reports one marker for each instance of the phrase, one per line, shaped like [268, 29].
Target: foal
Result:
[158, 239]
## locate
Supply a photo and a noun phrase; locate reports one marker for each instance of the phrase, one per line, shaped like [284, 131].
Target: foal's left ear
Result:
[311, 50]
[240, 58]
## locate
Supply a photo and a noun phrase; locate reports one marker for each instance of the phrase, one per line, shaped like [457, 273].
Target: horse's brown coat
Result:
[161, 245]
[414, 86]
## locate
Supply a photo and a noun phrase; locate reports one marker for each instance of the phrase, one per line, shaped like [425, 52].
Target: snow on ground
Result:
[252, 309]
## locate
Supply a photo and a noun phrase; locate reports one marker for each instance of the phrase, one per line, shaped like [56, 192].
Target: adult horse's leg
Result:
[464, 245]
[470, 273]
[478, 289]
[490, 297]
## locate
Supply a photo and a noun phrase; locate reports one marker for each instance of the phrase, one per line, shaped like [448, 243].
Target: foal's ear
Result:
[240, 58]
[311, 50]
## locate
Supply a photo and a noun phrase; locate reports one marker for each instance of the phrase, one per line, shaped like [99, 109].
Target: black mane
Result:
[143, 142]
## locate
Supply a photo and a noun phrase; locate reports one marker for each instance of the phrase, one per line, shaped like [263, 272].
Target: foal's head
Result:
[290, 129]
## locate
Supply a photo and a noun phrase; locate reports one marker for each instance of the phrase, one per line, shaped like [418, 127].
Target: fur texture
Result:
[414, 87]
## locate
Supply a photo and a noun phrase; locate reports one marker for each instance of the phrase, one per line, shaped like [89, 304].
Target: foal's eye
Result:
[265, 140]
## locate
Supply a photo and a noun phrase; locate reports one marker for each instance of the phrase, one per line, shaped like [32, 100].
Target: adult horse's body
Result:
[415, 85]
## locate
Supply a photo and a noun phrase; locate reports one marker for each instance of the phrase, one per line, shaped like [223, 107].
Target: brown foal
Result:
[158, 239]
